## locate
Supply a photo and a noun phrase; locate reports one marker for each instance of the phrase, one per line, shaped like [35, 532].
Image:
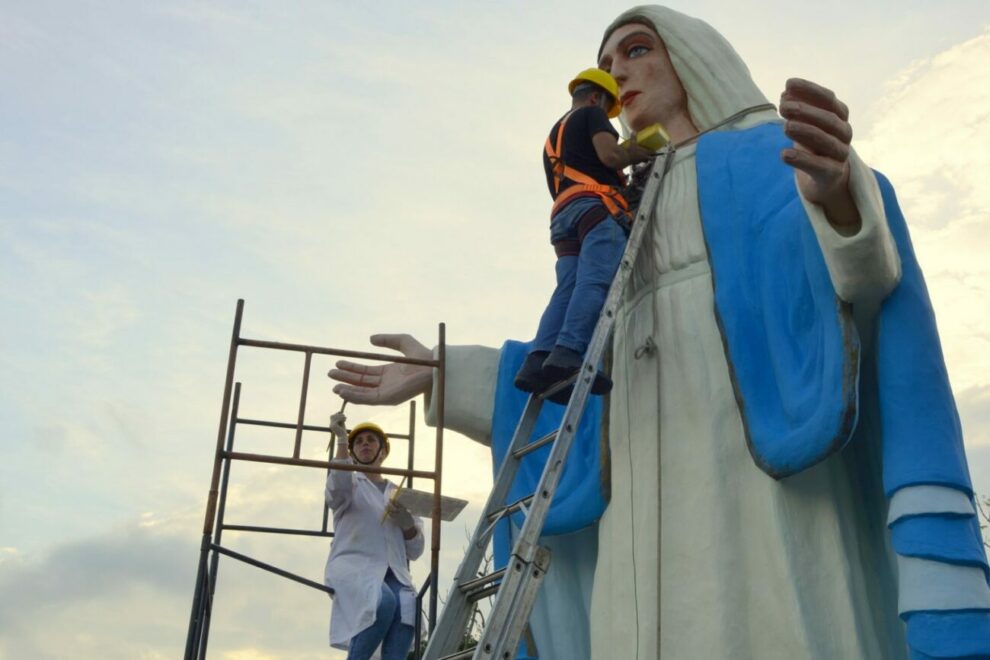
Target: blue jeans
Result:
[388, 630]
[582, 280]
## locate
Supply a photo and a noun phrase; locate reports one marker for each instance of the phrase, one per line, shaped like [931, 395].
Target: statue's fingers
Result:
[360, 368]
[799, 111]
[404, 343]
[799, 89]
[355, 378]
[359, 395]
[817, 141]
[805, 87]
[386, 340]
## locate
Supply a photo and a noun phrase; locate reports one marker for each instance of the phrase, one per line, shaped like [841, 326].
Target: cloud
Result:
[930, 134]
[974, 413]
[86, 589]
[974, 409]
[162, 162]
[126, 594]
[931, 129]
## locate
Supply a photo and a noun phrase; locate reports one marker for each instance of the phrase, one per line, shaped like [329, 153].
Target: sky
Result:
[346, 169]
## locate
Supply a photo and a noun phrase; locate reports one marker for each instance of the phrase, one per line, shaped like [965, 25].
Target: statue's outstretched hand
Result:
[818, 123]
[385, 384]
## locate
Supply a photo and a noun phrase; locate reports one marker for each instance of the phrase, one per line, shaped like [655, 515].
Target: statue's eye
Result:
[636, 51]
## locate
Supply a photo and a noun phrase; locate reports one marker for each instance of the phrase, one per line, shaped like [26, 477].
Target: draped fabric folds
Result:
[794, 359]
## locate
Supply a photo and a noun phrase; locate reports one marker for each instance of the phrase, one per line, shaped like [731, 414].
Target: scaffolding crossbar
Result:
[214, 525]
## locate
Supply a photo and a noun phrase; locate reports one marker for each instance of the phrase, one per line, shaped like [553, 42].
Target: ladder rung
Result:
[533, 446]
[484, 579]
[512, 508]
[461, 655]
[556, 387]
[475, 596]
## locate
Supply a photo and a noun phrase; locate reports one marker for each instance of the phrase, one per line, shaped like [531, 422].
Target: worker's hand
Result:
[637, 152]
[818, 123]
[401, 517]
[337, 426]
[388, 384]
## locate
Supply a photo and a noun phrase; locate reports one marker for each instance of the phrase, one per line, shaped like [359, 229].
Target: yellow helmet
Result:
[367, 426]
[604, 80]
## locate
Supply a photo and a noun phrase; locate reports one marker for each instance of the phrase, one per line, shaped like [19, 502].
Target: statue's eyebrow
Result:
[607, 59]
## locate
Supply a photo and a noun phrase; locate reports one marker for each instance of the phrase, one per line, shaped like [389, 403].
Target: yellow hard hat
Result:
[604, 80]
[368, 426]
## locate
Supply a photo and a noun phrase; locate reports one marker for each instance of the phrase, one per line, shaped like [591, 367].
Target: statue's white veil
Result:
[716, 80]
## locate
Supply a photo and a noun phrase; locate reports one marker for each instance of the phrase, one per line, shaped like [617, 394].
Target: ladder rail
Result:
[450, 628]
[518, 585]
[503, 630]
[582, 388]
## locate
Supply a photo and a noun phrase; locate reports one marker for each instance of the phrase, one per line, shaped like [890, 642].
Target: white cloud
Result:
[974, 408]
[930, 134]
[931, 131]
[345, 178]
[84, 589]
[126, 593]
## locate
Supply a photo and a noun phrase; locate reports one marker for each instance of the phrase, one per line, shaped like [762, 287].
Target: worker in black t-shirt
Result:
[583, 162]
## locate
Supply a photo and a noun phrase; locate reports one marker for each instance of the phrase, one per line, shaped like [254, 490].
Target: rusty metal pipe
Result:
[302, 405]
[320, 350]
[347, 467]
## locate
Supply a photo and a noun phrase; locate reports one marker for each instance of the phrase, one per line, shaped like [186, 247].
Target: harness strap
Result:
[584, 185]
[610, 197]
[569, 247]
[589, 220]
[554, 155]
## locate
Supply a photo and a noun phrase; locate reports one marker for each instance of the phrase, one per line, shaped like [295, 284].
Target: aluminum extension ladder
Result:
[516, 586]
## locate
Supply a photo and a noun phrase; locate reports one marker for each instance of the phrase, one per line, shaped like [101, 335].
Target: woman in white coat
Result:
[368, 568]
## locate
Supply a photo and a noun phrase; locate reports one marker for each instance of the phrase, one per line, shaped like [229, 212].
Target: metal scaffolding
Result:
[214, 525]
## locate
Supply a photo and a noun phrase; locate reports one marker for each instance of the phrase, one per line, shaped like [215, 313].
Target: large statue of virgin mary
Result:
[784, 472]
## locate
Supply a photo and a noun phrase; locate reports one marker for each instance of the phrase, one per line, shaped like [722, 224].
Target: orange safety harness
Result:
[582, 183]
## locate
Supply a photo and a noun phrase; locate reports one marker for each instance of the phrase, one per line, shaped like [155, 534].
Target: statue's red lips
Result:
[628, 97]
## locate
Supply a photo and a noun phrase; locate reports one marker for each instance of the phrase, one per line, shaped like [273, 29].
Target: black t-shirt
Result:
[577, 150]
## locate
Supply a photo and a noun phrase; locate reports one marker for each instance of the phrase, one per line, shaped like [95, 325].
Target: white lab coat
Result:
[363, 550]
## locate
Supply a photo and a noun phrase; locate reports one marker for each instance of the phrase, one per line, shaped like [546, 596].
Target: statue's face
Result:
[366, 446]
[649, 87]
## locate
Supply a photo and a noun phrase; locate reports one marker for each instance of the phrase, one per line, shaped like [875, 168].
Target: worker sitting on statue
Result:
[374, 539]
[583, 162]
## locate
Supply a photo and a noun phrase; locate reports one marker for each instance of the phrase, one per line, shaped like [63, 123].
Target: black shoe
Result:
[562, 396]
[561, 364]
[530, 377]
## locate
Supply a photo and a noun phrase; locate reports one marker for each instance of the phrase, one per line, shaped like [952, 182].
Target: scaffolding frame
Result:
[213, 526]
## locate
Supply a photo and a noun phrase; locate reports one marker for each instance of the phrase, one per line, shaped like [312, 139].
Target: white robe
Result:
[365, 546]
[701, 554]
